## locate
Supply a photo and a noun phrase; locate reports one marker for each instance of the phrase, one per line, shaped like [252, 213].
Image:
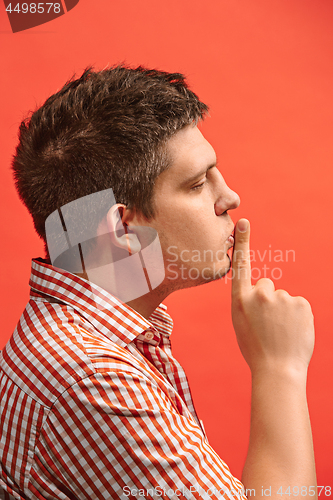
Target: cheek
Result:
[190, 226]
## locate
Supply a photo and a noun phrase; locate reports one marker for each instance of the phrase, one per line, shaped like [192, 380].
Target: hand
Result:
[273, 329]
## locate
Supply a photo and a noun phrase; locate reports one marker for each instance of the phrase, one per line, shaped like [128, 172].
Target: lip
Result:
[231, 240]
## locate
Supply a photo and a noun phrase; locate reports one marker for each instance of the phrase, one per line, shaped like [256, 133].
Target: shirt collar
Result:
[106, 313]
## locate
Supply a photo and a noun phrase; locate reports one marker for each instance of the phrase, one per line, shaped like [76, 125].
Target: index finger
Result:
[241, 263]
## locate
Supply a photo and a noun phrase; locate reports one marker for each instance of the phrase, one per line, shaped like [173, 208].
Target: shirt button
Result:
[149, 335]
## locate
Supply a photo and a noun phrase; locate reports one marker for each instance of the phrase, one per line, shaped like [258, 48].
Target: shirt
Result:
[94, 405]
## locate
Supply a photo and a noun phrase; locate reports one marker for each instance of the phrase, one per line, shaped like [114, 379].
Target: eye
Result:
[198, 186]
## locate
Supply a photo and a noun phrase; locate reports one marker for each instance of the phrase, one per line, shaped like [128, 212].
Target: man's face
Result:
[191, 201]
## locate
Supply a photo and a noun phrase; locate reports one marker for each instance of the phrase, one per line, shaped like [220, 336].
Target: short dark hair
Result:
[106, 129]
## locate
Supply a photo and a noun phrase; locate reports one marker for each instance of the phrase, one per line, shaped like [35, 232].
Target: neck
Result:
[146, 304]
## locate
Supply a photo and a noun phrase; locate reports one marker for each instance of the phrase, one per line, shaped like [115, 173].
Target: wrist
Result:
[289, 372]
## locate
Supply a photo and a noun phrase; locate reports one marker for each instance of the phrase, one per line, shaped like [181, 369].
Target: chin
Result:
[221, 269]
[194, 276]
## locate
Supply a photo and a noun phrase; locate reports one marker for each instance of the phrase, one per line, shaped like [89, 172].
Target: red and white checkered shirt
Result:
[94, 406]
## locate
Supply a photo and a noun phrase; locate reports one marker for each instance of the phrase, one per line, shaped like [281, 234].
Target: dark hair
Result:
[106, 129]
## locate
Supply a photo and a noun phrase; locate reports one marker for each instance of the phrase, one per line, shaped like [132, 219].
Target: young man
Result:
[124, 188]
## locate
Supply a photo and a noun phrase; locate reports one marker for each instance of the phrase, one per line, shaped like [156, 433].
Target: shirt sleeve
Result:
[119, 435]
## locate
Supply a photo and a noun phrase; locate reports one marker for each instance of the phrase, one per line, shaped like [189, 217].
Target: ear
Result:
[119, 231]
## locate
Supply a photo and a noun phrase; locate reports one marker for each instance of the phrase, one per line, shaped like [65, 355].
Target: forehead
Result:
[190, 153]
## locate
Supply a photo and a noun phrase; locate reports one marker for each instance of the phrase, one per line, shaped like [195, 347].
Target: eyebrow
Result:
[198, 175]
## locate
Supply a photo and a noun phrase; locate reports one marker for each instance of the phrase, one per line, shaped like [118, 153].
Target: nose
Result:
[227, 199]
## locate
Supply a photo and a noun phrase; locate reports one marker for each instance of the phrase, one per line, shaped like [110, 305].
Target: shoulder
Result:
[53, 347]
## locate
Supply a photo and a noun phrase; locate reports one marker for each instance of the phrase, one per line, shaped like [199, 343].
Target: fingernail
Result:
[242, 225]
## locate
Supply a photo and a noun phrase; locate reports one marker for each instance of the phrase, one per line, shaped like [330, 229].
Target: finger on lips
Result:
[241, 257]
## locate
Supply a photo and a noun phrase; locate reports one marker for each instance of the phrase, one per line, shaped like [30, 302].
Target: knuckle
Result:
[282, 294]
[262, 294]
[303, 306]
[302, 303]
[266, 282]
[240, 256]
[243, 262]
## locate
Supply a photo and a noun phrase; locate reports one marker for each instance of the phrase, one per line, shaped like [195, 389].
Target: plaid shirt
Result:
[93, 404]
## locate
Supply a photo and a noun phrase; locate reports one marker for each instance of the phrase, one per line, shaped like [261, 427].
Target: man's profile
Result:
[121, 185]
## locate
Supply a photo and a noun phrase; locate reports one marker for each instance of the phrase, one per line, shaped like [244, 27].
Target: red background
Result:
[265, 68]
